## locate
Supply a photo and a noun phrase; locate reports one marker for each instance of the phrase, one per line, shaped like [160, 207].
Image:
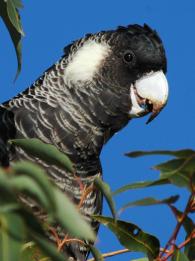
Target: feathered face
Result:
[127, 67]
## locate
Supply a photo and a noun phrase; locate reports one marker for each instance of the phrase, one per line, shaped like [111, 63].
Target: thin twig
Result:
[69, 240]
[84, 195]
[117, 252]
[55, 234]
[178, 226]
[114, 253]
[180, 246]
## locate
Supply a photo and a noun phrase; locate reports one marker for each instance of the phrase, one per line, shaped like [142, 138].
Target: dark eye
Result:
[129, 57]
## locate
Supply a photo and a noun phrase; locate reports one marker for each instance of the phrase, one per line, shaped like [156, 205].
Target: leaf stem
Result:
[177, 228]
[180, 246]
[114, 253]
[117, 252]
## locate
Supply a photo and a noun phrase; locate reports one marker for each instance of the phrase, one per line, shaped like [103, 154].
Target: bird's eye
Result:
[129, 57]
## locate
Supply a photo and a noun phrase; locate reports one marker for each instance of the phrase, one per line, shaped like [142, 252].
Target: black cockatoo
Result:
[101, 82]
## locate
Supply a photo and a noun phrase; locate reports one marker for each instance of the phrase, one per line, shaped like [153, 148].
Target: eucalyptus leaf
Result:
[96, 253]
[7, 195]
[17, 3]
[177, 153]
[30, 252]
[179, 256]
[189, 227]
[45, 152]
[142, 184]
[178, 171]
[27, 186]
[40, 177]
[9, 207]
[31, 222]
[12, 234]
[150, 201]
[48, 248]
[105, 189]
[15, 34]
[14, 17]
[190, 250]
[70, 218]
[131, 236]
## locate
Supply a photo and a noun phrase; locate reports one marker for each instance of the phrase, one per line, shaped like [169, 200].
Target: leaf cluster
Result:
[18, 224]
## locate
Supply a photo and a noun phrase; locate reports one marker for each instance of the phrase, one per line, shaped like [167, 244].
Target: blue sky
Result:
[50, 25]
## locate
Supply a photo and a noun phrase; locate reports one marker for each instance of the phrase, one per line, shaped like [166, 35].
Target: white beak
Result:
[150, 91]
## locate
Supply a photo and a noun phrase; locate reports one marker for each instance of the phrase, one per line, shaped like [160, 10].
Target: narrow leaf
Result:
[105, 189]
[150, 201]
[29, 187]
[189, 226]
[189, 249]
[14, 34]
[14, 16]
[179, 256]
[45, 152]
[48, 248]
[9, 207]
[31, 222]
[12, 234]
[178, 171]
[177, 153]
[17, 3]
[40, 177]
[142, 184]
[31, 252]
[131, 236]
[96, 253]
[7, 194]
[69, 217]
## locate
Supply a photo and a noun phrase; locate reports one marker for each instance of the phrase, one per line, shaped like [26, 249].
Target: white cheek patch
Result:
[86, 61]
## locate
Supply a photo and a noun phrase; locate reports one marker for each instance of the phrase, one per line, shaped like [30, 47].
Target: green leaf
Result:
[142, 184]
[39, 176]
[14, 16]
[48, 248]
[189, 250]
[31, 222]
[71, 220]
[178, 171]
[179, 179]
[7, 195]
[131, 236]
[12, 234]
[150, 201]
[29, 187]
[179, 256]
[189, 226]
[96, 254]
[69, 217]
[173, 165]
[30, 252]
[177, 165]
[45, 152]
[9, 207]
[177, 153]
[18, 4]
[11, 27]
[105, 189]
